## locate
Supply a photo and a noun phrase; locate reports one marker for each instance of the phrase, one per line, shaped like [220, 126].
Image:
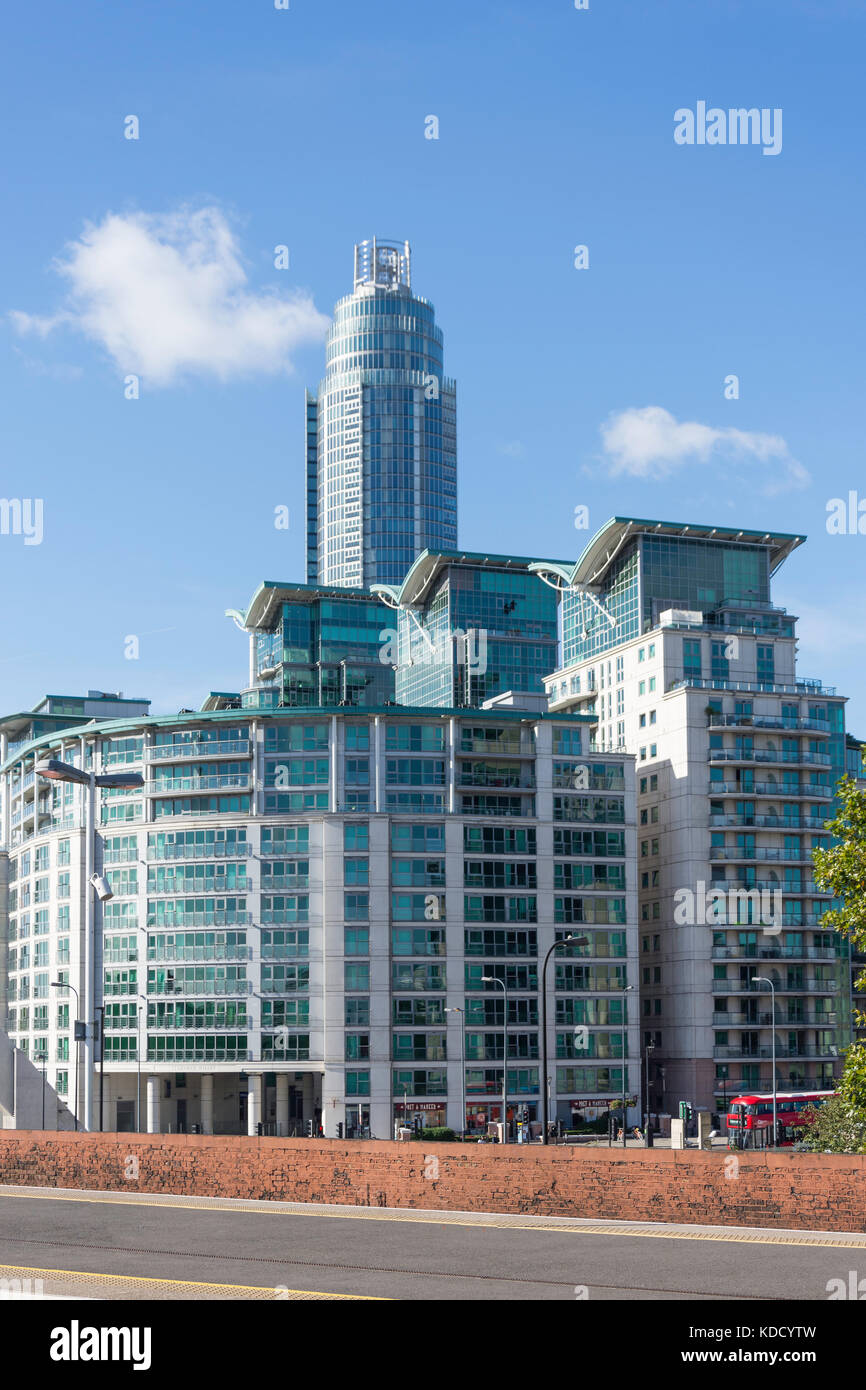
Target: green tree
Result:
[841, 870]
[840, 1124]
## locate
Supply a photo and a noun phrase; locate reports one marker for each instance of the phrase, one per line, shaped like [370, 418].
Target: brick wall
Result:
[808, 1191]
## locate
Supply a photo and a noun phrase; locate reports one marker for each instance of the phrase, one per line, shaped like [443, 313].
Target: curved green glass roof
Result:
[607, 543]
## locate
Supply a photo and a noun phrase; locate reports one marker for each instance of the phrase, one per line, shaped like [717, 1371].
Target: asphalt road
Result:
[135, 1246]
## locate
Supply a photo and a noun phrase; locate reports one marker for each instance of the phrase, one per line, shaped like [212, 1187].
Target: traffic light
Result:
[309, 1129]
[339, 1129]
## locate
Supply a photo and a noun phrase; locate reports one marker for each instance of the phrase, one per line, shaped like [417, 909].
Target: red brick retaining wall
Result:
[808, 1191]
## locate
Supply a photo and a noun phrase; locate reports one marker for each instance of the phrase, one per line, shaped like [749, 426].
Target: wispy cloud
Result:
[513, 449]
[649, 442]
[167, 297]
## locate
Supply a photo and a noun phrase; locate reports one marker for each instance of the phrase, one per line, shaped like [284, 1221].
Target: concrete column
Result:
[153, 1105]
[207, 1105]
[282, 1103]
[254, 1103]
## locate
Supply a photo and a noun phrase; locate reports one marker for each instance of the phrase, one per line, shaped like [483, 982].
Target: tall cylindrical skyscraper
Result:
[381, 431]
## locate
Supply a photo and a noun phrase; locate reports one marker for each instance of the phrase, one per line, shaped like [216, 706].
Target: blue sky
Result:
[305, 128]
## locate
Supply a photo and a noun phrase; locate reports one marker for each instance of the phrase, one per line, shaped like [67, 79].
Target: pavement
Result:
[122, 1245]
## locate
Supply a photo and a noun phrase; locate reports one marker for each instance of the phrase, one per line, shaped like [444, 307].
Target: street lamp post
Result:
[60, 984]
[650, 1047]
[56, 771]
[626, 989]
[100, 1009]
[762, 980]
[545, 1081]
[43, 1058]
[138, 1061]
[462, 1014]
[494, 980]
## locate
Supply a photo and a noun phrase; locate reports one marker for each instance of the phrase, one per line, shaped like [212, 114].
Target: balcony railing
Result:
[762, 854]
[223, 748]
[239, 781]
[765, 721]
[778, 790]
[784, 987]
[725, 1019]
[805, 686]
[218, 917]
[767, 755]
[161, 954]
[237, 989]
[719, 822]
[777, 952]
[782, 1051]
[216, 849]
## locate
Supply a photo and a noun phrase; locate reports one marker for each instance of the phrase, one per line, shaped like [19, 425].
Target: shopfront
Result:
[420, 1114]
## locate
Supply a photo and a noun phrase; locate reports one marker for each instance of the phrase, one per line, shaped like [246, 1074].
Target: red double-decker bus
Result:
[750, 1117]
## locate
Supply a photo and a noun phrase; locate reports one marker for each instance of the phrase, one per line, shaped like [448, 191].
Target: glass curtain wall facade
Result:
[472, 626]
[316, 647]
[298, 897]
[381, 434]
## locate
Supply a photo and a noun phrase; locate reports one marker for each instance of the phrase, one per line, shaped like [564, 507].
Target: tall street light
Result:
[626, 990]
[138, 1060]
[43, 1058]
[56, 771]
[762, 980]
[575, 941]
[61, 984]
[462, 1014]
[494, 980]
[650, 1047]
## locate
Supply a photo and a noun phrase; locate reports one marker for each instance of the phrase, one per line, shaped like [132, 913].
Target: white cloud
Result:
[513, 448]
[648, 442]
[167, 296]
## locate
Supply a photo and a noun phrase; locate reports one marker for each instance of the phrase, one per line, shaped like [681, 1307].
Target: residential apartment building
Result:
[672, 641]
[314, 913]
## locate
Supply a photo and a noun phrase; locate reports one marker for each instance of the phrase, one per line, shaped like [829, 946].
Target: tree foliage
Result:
[841, 870]
[839, 1126]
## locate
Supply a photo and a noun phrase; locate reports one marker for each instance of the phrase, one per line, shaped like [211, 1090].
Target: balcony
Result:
[777, 952]
[195, 887]
[238, 989]
[764, 1020]
[198, 1025]
[797, 987]
[790, 888]
[806, 686]
[501, 749]
[237, 781]
[189, 954]
[762, 854]
[766, 721]
[803, 791]
[216, 849]
[180, 752]
[720, 822]
[218, 917]
[508, 782]
[735, 1050]
[767, 755]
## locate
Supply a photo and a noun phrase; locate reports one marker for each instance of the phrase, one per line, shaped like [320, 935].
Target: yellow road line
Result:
[178, 1287]
[445, 1218]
